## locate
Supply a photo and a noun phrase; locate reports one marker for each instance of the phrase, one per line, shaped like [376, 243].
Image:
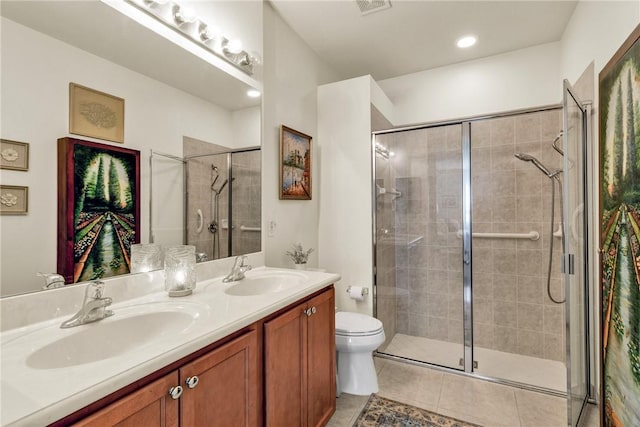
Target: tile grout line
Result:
[440, 392]
[515, 397]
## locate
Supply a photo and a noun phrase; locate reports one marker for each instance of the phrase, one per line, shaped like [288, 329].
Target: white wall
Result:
[520, 79]
[344, 129]
[36, 71]
[292, 72]
[596, 30]
[246, 126]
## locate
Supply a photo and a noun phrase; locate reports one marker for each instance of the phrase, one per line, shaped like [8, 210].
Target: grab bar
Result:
[245, 228]
[532, 235]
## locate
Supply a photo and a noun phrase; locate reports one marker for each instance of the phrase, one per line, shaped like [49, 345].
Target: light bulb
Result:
[208, 32]
[184, 15]
[252, 93]
[234, 46]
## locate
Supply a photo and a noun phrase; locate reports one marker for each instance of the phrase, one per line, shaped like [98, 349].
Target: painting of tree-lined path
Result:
[620, 238]
[104, 213]
[98, 209]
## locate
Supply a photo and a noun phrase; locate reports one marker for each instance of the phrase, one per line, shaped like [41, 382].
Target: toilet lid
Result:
[356, 324]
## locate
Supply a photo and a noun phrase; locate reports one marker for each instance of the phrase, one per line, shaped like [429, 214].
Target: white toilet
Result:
[357, 335]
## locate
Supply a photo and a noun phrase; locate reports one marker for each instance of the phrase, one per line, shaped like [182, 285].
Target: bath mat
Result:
[381, 412]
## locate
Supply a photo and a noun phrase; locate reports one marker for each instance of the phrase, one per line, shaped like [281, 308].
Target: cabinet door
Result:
[149, 406]
[285, 369]
[321, 373]
[228, 387]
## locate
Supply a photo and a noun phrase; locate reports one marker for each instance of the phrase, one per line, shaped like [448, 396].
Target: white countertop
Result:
[31, 395]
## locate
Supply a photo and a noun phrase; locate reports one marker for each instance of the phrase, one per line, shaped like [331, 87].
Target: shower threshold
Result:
[526, 370]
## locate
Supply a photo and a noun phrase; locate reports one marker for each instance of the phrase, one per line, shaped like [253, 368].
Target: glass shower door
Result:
[418, 241]
[575, 259]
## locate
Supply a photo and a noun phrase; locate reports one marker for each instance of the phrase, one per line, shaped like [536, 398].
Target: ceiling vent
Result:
[372, 6]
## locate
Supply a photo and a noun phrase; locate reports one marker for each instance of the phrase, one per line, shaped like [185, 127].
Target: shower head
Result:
[555, 142]
[529, 158]
[214, 169]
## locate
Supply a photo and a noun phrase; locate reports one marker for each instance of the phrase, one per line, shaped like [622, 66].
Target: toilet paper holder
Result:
[365, 291]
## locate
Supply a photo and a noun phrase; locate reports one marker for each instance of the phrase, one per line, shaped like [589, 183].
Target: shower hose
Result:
[553, 199]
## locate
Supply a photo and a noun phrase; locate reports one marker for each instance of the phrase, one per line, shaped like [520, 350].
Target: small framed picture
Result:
[14, 155]
[14, 200]
[95, 114]
[295, 165]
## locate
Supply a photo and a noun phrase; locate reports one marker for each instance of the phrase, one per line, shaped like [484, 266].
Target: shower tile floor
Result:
[539, 372]
[465, 398]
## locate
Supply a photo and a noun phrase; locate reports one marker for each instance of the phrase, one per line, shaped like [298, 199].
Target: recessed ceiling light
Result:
[252, 93]
[466, 41]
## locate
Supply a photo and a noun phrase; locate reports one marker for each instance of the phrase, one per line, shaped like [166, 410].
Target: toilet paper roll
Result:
[356, 293]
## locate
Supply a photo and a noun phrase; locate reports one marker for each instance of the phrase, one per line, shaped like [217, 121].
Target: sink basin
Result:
[266, 283]
[130, 328]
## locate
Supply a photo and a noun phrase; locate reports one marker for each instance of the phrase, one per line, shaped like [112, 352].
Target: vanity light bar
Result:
[185, 21]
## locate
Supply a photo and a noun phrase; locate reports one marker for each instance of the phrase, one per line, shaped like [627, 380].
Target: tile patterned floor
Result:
[468, 399]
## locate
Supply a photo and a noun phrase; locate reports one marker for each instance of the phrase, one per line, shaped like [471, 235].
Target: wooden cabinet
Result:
[149, 406]
[221, 388]
[224, 385]
[300, 364]
[227, 389]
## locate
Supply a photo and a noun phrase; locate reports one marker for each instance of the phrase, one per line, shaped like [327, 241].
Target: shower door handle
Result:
[568, 264]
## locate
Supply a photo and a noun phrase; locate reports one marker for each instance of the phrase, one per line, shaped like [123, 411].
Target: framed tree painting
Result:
[295, 165]
[619, 138]
[98, 209]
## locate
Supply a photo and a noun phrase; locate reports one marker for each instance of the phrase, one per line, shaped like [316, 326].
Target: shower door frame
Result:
[567, 264]
[467, 259]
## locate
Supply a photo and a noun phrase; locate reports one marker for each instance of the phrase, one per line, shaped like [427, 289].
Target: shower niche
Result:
[219, 208]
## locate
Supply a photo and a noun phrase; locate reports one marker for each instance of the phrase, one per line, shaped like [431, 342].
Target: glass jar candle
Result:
[146, 257]
[180, 270]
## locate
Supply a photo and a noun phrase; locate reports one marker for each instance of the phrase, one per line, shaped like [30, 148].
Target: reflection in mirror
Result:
[169, 94]
[210, 199]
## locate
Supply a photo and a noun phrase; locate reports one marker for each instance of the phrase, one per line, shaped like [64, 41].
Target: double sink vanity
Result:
[259, 351]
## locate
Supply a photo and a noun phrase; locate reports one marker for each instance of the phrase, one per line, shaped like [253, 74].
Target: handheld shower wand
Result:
[554, 178]
[529, 158]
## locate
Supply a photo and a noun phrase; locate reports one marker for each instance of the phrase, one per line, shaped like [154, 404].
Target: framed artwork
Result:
[295, 165]
[14, 155]
[95, 114]
[14, 200]
[98, 209]
[619, 138]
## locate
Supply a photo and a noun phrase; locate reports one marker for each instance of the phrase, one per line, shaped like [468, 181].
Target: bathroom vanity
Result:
[256, 352]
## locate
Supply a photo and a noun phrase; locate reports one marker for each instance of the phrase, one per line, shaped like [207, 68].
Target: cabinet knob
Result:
[309, 311]
[175, 392]
[192, 382]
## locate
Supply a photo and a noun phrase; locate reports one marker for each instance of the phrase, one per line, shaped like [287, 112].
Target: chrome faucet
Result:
[93, 307]
[238, 270]
[52, 280]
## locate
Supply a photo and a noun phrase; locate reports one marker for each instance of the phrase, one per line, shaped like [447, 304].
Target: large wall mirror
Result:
[197, 131]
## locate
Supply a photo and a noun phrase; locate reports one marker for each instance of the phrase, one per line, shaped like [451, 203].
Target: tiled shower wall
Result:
[512, 312]
[246, 204]
[200, 195]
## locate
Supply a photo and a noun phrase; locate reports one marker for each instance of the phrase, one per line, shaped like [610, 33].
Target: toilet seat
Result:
[357, 325]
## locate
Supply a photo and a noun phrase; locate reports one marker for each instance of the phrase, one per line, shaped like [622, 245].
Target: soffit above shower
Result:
[412, 36]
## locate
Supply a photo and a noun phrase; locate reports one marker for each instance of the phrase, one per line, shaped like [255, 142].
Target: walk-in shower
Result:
[461, 244]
